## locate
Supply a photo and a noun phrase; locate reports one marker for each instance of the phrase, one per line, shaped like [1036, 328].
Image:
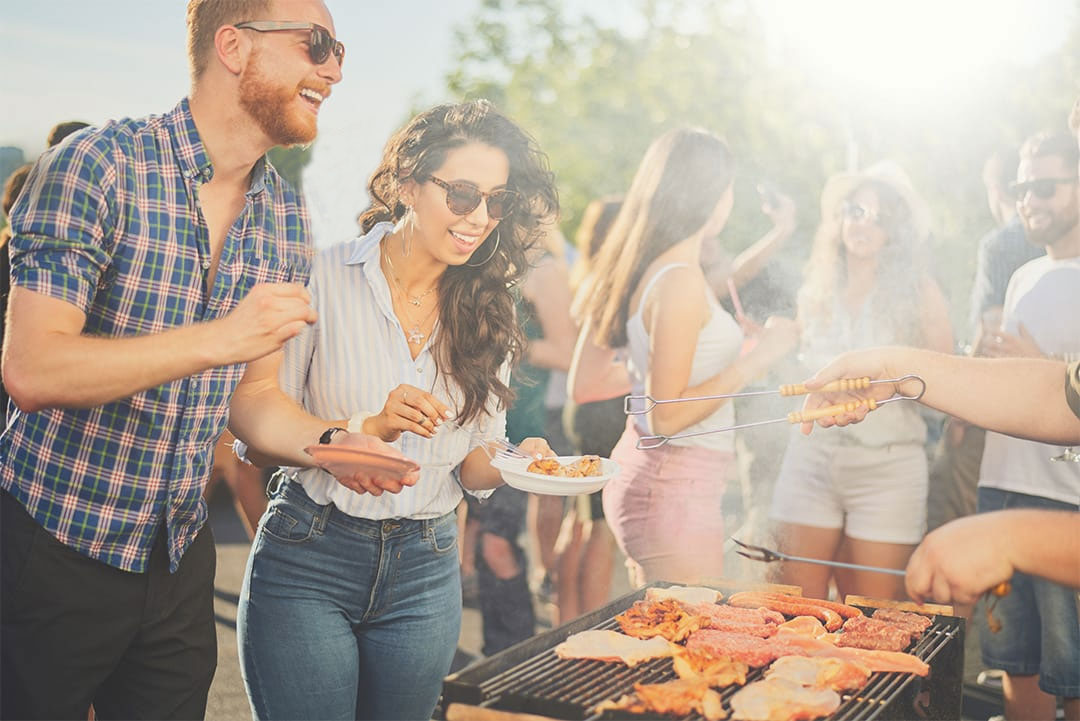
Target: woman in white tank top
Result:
[651, 297]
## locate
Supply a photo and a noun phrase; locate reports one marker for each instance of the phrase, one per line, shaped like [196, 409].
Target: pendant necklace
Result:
[415, 335]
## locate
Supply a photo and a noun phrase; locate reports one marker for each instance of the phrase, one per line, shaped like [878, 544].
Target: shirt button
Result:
[419, 369]
[206, 265]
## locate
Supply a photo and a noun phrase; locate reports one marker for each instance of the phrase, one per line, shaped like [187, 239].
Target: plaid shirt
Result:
[110, 222]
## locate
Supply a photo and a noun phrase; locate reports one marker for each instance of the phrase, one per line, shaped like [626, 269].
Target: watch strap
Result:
[328, 434]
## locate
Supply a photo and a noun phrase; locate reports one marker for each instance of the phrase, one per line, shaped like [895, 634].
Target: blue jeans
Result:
[1040, 620]
[347, 618]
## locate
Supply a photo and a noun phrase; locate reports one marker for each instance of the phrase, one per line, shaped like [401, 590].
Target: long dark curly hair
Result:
[478, 327]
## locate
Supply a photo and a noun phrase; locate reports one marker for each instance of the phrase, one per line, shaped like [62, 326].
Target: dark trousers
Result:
[75, 631]
[506, 606]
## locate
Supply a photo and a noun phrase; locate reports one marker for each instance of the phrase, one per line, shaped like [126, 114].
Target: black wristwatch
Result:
[328, 434]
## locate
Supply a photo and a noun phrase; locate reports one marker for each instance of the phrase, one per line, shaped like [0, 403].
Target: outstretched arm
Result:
[49, 362]
[964, 558]
[1022, 397]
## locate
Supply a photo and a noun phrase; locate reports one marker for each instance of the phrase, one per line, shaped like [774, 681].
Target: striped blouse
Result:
[351, 359]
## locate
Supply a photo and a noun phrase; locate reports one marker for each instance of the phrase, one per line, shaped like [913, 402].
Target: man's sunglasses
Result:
[320, 44]
[464, 198]
[1042, 187]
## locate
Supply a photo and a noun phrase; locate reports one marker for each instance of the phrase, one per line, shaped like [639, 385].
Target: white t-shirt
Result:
[1043, 295]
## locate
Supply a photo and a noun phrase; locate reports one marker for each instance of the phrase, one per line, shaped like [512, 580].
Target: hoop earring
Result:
[498, 237]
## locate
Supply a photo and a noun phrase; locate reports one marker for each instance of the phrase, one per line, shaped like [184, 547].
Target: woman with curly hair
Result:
[859, 495]
[351, 606]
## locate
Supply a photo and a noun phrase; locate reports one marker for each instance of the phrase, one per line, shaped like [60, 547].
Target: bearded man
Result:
[158, 266]
[1039, 645]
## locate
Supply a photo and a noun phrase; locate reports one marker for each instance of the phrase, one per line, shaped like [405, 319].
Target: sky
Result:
[94, 60]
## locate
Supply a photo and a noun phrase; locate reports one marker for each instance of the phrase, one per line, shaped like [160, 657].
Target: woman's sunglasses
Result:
[464, 198]
[320, 44]
[1042, 187]
[858, 214]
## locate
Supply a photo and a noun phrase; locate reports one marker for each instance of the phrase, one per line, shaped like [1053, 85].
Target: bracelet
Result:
[328, 434]
[356, 421]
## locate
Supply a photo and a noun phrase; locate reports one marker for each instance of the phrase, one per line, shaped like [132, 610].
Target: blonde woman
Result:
[860, 494]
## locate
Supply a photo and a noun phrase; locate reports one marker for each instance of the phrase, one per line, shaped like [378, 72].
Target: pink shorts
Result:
[664, 508]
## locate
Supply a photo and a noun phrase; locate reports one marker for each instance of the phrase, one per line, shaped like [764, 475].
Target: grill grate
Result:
[530, 678]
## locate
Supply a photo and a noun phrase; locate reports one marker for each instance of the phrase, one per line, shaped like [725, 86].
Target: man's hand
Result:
[856, 364]
[961, 560]
[370, 480]
[263, 321]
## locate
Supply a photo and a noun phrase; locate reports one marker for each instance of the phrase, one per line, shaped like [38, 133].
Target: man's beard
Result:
[1061, 224]
[273, 108]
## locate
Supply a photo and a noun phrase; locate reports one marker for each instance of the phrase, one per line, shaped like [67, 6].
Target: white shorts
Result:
[874, 494]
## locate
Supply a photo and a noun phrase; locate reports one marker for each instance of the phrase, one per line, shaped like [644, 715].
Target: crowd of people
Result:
[163, 298]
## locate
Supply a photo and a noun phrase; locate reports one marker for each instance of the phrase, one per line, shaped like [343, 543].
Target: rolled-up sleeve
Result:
[1072, 387]
[63, 223]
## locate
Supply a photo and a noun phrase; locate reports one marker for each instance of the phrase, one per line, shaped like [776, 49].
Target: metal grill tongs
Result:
[647, 403]
[760, 553]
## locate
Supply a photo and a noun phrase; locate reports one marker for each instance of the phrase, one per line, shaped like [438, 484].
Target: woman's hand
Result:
[370, 481]
[1005, 345]
[408, 408]
[781, 210]
[536, 447]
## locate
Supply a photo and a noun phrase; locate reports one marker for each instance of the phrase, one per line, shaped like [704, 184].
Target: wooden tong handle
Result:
[841, 384]
[849, 407]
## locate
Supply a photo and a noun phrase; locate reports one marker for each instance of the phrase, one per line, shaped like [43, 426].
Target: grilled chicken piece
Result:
[820, 672]
[668, 619]
[686, 594]
[679, 698]
[612, 646]
[778, 699]
[547, 466]
[714, 670]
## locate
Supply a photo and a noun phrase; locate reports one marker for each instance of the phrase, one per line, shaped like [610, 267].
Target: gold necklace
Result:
[416, 300]
[415, 334]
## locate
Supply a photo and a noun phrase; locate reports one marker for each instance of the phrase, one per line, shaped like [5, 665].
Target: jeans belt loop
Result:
[322, 517]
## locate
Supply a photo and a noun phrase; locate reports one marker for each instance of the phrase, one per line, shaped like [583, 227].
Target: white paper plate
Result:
[514, 473]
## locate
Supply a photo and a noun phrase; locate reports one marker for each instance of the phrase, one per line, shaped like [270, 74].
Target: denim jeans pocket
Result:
[442, 535]
[289, 524]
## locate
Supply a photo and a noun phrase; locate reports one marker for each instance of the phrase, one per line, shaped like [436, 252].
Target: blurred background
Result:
[801, 90]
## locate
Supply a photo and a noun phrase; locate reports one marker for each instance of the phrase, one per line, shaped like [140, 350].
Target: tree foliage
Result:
[594, 95]
[290, 162]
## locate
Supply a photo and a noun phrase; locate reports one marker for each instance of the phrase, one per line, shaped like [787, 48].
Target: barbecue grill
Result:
[530, 678]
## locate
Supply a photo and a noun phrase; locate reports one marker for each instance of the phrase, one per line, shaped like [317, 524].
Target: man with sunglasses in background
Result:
[1039, 648]
[1023, 396]
[158, 266]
